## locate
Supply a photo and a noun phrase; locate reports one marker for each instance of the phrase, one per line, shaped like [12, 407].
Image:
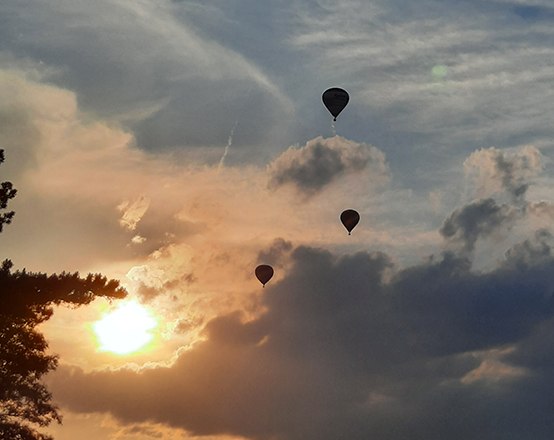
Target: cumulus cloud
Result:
[346, 349]
[477, 220]
[501, 176]
[322, 161]
[494, 170]
[531, 252]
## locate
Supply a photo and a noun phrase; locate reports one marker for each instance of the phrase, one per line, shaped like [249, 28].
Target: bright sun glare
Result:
[125, 330]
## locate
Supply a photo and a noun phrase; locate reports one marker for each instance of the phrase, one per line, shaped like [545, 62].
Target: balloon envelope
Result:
[264, 273]
[349, 219]
[335, 100]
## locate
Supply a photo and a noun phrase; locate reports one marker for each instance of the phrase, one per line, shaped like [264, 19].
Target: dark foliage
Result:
[7, 192]
[27, 300]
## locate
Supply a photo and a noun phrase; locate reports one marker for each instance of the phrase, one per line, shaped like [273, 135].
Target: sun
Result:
[126, 329]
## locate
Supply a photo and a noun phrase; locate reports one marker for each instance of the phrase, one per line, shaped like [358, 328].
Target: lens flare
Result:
[439, 71]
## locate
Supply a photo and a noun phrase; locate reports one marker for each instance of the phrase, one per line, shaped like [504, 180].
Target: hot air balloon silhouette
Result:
[349, 219]
[264, 273]
[335, 100]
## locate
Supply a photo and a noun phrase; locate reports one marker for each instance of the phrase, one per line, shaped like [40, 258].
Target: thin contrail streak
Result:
[229, 143]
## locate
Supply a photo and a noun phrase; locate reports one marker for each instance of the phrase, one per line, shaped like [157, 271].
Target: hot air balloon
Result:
[349, 219]
[335, 100]
[264, 273]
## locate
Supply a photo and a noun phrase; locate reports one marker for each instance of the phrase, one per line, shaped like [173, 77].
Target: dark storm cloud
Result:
[476, 220]
[322, 161]
[348, 348]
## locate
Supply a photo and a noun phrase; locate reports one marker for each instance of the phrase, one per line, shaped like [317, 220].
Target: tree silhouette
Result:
[27, 300]
[6, 193]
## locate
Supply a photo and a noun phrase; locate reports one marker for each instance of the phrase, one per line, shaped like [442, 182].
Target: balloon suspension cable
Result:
[333, 128]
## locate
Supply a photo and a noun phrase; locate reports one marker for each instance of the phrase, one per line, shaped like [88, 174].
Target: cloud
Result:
[493, 93]
[101, 200]
[102, 426]
[339, 344]
[348, 348]
[531, 252]
[493, 170]
[477, 220]
[279, 250]
[322, 161]
[506, 176]
[183, 237]
[23, 123]
[136, 430]
[152, 72]
[179, 73]
[532, 12]
[541, 211]
[167, 271]
[132, 213]
[73, 173]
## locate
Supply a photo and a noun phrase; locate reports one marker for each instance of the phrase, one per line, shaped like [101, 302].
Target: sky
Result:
[176, 145]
